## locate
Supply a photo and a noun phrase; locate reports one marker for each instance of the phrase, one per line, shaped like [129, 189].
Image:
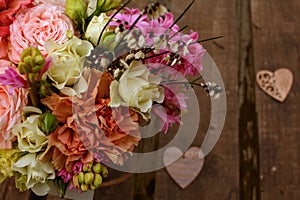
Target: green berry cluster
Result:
[91, 177]
[32, 61]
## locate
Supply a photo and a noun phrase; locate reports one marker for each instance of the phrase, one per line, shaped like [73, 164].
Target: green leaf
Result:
[61, 186]
[48, 123]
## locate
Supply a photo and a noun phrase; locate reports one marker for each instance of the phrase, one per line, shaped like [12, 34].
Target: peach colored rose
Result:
[8, 9]
[37, 25]
[10, 109]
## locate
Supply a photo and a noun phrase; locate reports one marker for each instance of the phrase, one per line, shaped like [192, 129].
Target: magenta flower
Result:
[159, 27]
[77, 168]
[65, 175]
[12, 79]
[128, 17]
[192, 54]
[173, 105]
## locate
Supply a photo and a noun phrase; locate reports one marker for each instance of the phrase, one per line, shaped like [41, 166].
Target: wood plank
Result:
[220, 176]
[276, 45]
[9, 192]
[248, 128]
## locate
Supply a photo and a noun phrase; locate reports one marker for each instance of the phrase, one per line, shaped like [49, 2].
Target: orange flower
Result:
[65, 148]
[103, 88]
[98, 127]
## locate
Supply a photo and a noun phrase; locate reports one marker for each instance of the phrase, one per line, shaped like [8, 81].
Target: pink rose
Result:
[34, 26]
[8, 9]
[11, 107]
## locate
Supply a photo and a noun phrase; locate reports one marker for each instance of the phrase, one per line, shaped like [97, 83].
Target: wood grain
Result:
[219, 178]
[273, 33]
[276, 45]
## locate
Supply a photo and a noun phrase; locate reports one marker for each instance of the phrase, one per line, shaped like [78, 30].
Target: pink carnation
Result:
[34, 26]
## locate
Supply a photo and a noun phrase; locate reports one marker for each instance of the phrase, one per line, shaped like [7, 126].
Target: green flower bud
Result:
[97, 168]
[28, 60]
[81, 177]
[48, 123]
[104, 171]
[45, 89]
[87, 167]
[97, 181]
[22, 67]
[76, 9]
[92, 187]
[76, 182]
[84, 187]
[106, 5]
[31, 63]
[39, 60]
[88, 178]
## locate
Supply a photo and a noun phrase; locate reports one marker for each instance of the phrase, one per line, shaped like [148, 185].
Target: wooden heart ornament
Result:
[277, 84]
[186, 167]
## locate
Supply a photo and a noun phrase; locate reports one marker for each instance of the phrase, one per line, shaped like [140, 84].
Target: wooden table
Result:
[258, 154]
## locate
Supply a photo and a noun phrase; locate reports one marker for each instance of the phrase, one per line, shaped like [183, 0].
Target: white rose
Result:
[95, 28]
[30, 137]
[137, 88]
[67, 65]
[38, 173]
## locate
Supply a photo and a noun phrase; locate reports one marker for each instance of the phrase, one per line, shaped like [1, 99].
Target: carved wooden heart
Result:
[185, 169]
[277, 84]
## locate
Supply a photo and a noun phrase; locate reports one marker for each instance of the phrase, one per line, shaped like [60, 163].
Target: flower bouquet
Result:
[78, 80]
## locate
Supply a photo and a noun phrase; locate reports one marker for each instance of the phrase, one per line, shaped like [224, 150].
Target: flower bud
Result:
[84, 187]
[106, 5]
[104, 171]
[45, 89]
[31, 61]
[97, 168]
[92, 187]
[97, 181]
[76, 9]
[76, 182]
[87, 167]
[81, 177]
[48, 123]
[88, 178]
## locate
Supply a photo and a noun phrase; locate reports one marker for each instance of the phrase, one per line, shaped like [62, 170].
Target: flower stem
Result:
[34, 97]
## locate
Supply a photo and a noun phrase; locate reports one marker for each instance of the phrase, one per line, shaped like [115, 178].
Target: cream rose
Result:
[67, 65]
[30, 137]
[95, 28]
[10, 109]
[137, 88]
[38, 173]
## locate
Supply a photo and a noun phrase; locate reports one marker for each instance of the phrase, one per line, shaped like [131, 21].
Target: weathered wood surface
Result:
[276, 38]
[258, 154]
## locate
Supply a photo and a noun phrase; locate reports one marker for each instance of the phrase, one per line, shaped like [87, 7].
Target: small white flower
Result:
[30, 137]
[38, 173]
